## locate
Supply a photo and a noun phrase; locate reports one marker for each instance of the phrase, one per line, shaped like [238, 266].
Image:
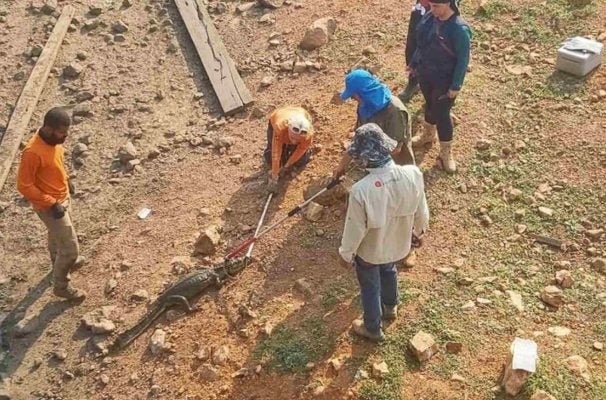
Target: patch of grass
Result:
[288, 350]
[598, 390]
[494, 8]
[446, 366]
[553, 377]
[396, 354]
[388, 389]
[406, 293]
[337, 291]
[600, 328]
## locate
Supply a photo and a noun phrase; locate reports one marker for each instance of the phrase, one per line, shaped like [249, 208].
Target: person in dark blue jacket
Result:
[420, 8]
[440, 63]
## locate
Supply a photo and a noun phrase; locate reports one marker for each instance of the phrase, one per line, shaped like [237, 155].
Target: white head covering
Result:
[300, 122]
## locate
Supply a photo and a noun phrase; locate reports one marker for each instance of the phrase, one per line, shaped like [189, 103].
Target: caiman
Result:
[181, 293]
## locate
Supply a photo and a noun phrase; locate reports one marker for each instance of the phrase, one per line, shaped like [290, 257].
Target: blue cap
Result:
[356, 82]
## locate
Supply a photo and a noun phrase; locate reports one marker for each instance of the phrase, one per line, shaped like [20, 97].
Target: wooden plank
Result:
[26, 104]
[220, 68]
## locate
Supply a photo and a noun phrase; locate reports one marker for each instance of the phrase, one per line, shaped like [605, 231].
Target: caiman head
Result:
[234, 265]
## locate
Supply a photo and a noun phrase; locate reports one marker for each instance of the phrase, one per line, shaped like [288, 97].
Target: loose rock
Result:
[208, 373]
[120, 27]
[73, 70]
[207, 241]
[267, 81]
[483, 144]
[380, 370]
[127, 152]
[454, 347]
[313, 212]
[516, 300]
[304, 287]
[220, 355]
[514, 379]
[273, 4]
[599, 346]
[564, 279]
[98, 321]
[331, 197]
[423, 346]
[553, 296]
[559, 331]
[49, 7]
[140, 295]
[599, 264]
[157, 343]
[542, 395]
[319, 33]
[579, 366]
[545, 212]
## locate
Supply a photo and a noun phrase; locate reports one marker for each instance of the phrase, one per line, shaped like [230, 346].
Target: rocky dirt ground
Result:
[531, 157]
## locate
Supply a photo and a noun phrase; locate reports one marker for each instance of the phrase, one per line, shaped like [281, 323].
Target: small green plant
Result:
[288, 350]
[553, 377]
[337, 291]
[493, 9]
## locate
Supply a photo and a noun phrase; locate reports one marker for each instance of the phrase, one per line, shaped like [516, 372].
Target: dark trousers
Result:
[437, 107]
[378, 286]
[287, 151]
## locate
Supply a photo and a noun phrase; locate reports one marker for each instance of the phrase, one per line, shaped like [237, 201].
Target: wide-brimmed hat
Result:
[371, 147]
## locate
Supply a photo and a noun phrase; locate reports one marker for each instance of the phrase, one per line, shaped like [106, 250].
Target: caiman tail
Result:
[126, 337]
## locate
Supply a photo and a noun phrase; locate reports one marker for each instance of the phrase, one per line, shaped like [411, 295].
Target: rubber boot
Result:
[411, 89]
[445, 158]
[428, 136]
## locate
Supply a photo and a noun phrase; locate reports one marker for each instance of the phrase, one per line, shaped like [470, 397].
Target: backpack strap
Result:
[441, 42]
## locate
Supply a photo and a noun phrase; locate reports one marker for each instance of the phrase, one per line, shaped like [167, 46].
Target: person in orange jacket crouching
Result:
[289, 140]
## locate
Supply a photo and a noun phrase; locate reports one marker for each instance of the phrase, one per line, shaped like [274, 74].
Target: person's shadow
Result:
[17, 340]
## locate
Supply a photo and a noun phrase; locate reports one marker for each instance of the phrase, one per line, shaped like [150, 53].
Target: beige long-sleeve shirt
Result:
[385, 208]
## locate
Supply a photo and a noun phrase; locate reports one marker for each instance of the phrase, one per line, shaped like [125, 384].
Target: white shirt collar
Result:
[382, 169]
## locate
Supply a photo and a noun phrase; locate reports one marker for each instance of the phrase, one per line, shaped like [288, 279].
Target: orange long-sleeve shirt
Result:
[42, 178]
[279, 122]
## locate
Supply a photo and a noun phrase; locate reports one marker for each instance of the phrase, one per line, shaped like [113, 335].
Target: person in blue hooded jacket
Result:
[443, 41]
[377, 104]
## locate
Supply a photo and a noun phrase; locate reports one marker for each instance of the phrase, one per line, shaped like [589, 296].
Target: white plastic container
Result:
[578, 62]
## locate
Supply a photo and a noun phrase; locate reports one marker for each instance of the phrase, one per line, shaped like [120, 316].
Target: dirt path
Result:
[150, 89]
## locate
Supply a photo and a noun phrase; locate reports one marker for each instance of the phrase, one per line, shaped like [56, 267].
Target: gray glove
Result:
[58, 211]
[272, 185]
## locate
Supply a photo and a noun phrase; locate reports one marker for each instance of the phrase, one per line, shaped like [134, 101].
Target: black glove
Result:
[58, 211]
[72, 188]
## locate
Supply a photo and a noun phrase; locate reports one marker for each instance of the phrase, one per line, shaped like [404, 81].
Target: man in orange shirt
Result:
[289, 139]
[42, 180]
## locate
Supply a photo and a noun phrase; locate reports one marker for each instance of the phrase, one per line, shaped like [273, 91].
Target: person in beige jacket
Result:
[387, 210]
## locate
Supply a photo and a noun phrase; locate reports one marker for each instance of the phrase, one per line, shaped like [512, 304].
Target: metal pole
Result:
[260, 224]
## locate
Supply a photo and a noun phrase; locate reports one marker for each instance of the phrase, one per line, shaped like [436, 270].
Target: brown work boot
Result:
[359, 329]
[427, 136]
[390, 313]
[70, 293]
